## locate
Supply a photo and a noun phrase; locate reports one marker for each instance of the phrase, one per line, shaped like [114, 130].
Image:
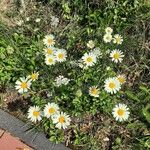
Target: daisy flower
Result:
[89, 59]
[50, 109]
[50, 60]
[109, 30]
[94, 91]
[81, 64]
[61, 80]
[61, 55]
[107, 38]
[38, 20]
[90, 44]
[112, 85]
[54, 21]
[117, 39]
[28, 19]
[97, 52]
[62, 120]
[121, 78]
[34, 114]
[116, 55]
[49, 40]
[121, 112]
[34, 76]
[23, 85]
[49, 50]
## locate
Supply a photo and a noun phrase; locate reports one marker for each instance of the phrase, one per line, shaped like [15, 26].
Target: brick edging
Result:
[33, 138]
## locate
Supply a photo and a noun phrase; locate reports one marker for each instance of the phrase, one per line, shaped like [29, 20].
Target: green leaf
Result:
[146, 112]
[132, 96]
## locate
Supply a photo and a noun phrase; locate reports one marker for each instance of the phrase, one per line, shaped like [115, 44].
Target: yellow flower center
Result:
[118, 40]
[116, 55]
[94, 91]
[50, 60]
[60, 56]
[108, 37]
[51, 111]
[89, 59]
[61, 119]
[121, 79]
[120, 112]
[23, 85]
[49, 51]
[36, 113]
[34, 76]
[50, 41]
[112, 85]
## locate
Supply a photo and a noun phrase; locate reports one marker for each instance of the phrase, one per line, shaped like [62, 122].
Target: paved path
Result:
[24, 132]
[8, 142]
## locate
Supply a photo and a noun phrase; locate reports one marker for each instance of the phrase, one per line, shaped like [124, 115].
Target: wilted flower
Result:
[38, 20]
[54, 21]
[61, 80]
[90, 44]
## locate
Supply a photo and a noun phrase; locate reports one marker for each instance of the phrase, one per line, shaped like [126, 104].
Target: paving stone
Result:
[8, 142]
[1, 132]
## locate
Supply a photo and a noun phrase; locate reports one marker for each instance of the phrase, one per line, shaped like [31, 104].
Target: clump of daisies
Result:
[108, 35]
[53, 54]
[61, 80]
[117, 39]
[113, 85]
[91, 44]
[51, 111]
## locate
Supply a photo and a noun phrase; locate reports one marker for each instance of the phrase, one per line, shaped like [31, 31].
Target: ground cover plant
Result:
[78, 70]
